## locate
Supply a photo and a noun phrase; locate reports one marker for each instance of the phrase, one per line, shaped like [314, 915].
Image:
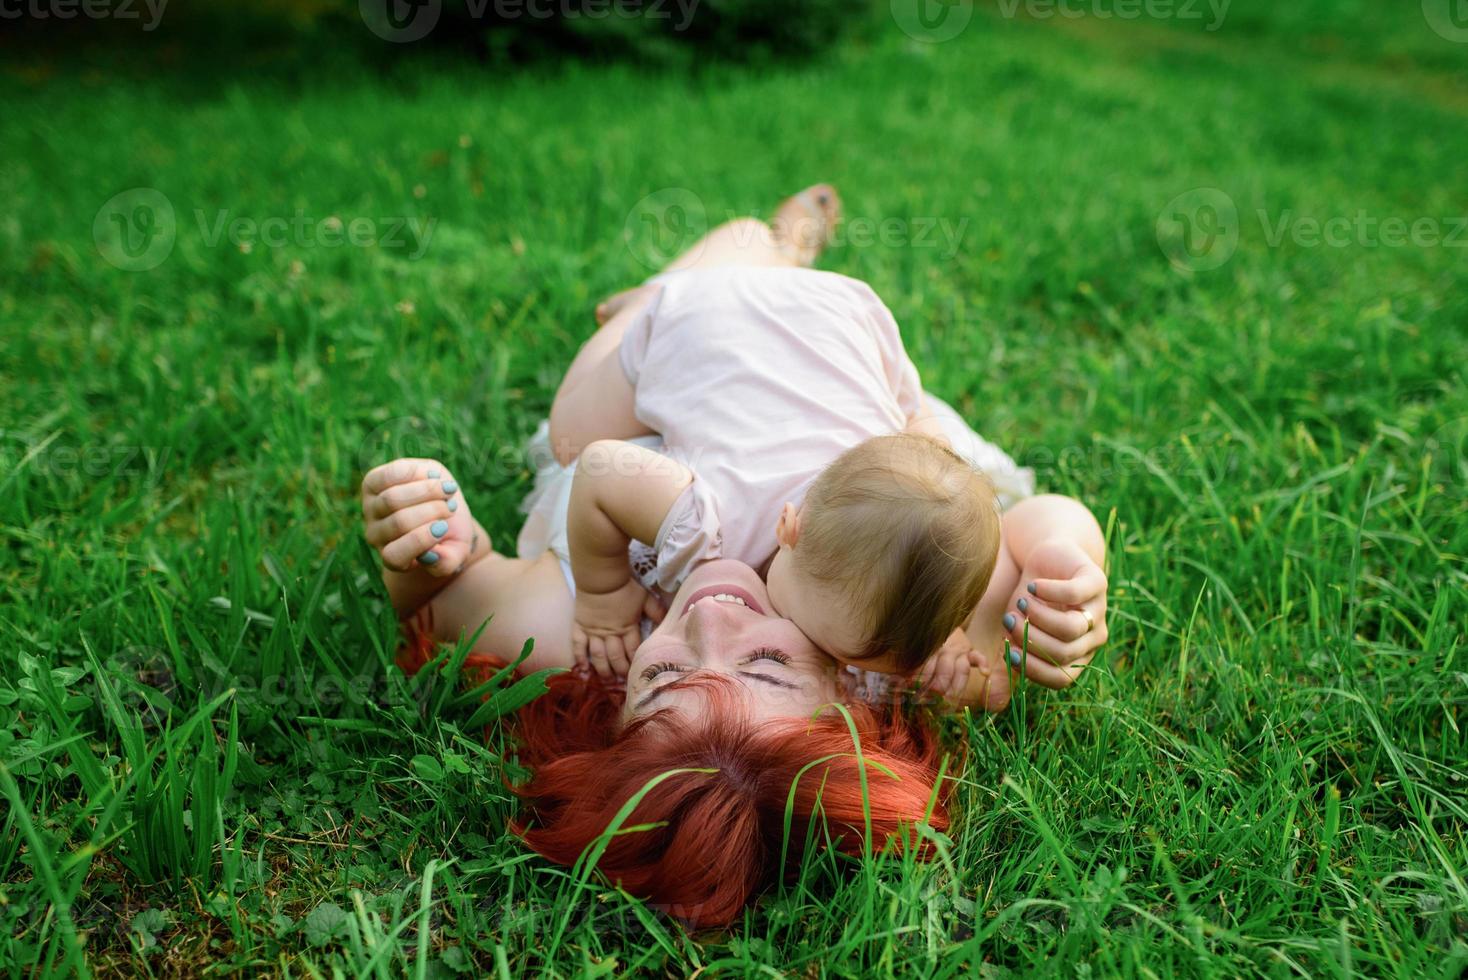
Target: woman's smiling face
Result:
[721, 623]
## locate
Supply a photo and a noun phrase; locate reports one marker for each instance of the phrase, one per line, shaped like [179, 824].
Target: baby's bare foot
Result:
[617, 302]
[804, 223]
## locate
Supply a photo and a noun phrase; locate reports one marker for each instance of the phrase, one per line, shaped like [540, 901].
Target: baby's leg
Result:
[797, 235]
[595, 399]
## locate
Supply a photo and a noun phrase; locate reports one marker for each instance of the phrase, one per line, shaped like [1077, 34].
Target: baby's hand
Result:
[945, 673]
[608, 627]
[416, 517]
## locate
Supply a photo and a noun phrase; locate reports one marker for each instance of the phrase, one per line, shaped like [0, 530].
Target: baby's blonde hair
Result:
[906, 530]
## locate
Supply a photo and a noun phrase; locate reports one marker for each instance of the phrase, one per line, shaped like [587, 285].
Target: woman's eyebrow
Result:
[652, 696]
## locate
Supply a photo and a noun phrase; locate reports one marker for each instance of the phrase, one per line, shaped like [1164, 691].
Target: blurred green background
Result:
[1201, 266]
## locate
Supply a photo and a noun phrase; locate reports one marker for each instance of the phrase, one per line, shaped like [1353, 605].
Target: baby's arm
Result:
[620, 492]
[595, 399]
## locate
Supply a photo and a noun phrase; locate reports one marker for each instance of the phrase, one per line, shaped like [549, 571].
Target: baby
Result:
[796, 439]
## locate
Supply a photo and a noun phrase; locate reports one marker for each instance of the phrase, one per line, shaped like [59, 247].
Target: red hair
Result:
[708, 841]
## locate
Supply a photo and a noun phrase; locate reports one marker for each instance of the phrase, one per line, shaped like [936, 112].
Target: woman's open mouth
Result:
[731, 594]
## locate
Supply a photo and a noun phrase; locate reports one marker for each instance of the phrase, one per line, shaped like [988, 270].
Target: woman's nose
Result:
[712, 626]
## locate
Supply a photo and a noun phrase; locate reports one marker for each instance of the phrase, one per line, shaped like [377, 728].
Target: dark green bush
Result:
[680, 30]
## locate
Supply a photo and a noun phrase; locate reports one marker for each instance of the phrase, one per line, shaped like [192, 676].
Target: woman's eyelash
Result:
[657, 669]
[770, 653]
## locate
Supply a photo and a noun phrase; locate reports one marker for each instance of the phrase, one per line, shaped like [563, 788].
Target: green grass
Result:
[209, 761]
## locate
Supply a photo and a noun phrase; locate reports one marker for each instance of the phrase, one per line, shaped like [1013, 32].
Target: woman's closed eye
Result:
[768, 653]
[656, 669]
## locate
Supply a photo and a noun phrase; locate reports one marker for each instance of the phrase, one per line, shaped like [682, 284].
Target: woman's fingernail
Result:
[1023, 604]
[429, 558]
[449, 486]
[453, 506]
[1033, 590]
[433, 474]
[438, 528]
[1009, 621]
[1014, 657]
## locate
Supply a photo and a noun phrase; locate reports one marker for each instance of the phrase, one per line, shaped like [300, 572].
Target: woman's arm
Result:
[1048, 517]
[468, 589]
[1054, 544]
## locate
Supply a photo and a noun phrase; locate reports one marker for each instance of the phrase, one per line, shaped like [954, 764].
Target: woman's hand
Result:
[608, 627]
[416, 518]
[1057, 614]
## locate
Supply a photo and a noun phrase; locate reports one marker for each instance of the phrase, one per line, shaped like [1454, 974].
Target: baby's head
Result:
[889, 553]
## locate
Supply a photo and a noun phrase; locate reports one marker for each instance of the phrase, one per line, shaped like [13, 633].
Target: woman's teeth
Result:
[726, 597]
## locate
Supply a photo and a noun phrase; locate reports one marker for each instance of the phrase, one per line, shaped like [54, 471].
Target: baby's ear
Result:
[787, 528]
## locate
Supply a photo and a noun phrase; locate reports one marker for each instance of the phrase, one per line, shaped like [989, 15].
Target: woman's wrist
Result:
[413, 589]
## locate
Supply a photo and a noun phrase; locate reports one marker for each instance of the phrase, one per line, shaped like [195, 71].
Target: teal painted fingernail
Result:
[1023, 604]
[1014, 657]
[1033, 590]
[1009, 621]
[453, 506]
[438, 528]
[429, 558]
[433, 474]
[449, 486]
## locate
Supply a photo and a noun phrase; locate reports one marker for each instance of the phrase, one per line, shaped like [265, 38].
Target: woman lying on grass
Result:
[743, 407]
